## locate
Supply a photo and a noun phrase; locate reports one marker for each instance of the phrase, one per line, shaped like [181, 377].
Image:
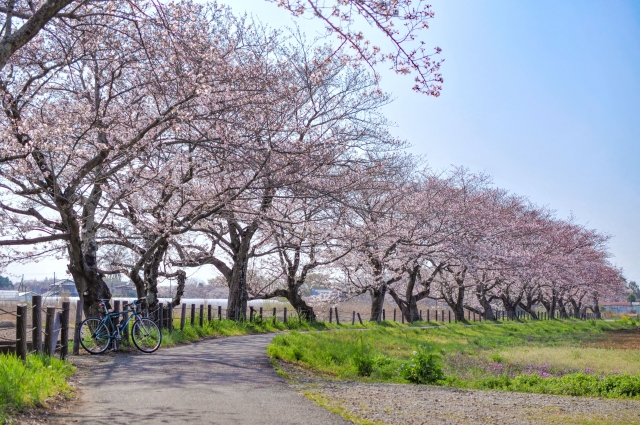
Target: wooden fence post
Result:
[402, 317]
[330, 315]
[449, 316]
[251, 314]
[160, 316]
[170, 318]
[359, 319]
[219, 312]
[420, 315]
[436, 315]
[116, 309]
[384, 315]
[285, 315]
[353, 318]
[125, 330]
[337, 318]
[76, 330]
[209, 312]
[201, 315]
[260, 313]
[275, 312]
[49, 343]
[394, 315]
[183, 316]
[428, 315]
[193, 314]
[64, 330]
[36, 323]
[21, 332]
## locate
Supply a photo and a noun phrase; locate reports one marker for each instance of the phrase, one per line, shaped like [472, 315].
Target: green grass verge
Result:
[30, 384]
[470, 356]
[225, 327]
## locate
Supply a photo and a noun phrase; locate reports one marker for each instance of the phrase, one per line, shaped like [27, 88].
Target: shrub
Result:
[423, 367]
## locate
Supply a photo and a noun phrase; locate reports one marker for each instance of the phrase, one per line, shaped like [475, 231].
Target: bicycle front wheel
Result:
[146, 335]
[94, 335]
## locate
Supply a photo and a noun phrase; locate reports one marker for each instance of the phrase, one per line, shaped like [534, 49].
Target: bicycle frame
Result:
[115, 332]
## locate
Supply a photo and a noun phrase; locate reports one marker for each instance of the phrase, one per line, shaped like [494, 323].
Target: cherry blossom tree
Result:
[400, 22]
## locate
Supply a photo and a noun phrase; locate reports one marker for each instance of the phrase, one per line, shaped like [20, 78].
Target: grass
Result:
[574, 358]
[543, 357]
[31, 384]
[216, 328]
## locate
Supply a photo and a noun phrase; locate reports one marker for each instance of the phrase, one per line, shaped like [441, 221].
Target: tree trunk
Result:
[510, 307]
[550, 305]
[89, 283]
[596, 307]
[487, 308]
[377, 302]
[304, 310]
[182, 279]
[456, 304]
[238, 294]
[529, 309]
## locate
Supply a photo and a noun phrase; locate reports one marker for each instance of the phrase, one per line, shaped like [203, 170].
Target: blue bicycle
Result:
[97, 334]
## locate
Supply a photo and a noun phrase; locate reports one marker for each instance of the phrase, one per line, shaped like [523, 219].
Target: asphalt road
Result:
[219, 381]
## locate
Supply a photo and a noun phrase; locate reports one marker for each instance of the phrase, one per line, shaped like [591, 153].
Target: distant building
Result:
[621, 307]
[62, 288]
[325, 294]
[9, 295]
[122, 289]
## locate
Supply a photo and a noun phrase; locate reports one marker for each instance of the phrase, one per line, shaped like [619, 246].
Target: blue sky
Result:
[542, 95]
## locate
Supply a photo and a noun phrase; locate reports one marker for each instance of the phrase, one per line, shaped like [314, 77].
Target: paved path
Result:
[219, 381]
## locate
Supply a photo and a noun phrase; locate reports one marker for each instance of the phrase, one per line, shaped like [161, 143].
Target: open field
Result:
[555, 357]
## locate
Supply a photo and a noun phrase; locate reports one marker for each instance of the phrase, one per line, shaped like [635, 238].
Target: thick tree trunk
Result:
[409, 306]
[487, 308]
[238, 295]
[151, 271]
[596, 307]
[563, 310]
[377, 302]
[456, 304]
[182, 279]
[304, 310]
[510, 307]
[576, 308]
[529, 309]
[89, 283]
[550, 305]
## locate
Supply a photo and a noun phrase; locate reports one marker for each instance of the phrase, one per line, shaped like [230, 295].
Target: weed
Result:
[423, 367]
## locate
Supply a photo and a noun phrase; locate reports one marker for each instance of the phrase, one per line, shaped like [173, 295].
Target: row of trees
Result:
[146, 139]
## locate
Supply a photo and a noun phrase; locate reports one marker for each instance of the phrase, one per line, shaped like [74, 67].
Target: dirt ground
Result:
[620, 339]
[407, 404]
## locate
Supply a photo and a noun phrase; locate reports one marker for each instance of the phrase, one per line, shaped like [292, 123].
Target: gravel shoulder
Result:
[425, 404]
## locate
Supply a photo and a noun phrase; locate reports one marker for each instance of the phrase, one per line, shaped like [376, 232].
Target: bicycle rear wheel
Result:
[146, 335]
[94, 335]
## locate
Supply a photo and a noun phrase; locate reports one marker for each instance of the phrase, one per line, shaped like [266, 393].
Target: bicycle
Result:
[97, 334]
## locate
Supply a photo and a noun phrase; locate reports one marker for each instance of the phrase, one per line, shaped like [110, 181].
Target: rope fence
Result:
[46, 330]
